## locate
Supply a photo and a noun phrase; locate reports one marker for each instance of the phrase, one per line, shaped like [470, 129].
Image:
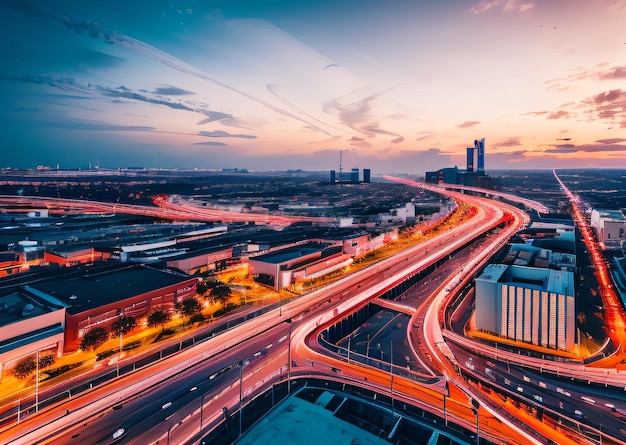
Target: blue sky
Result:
[400, 86]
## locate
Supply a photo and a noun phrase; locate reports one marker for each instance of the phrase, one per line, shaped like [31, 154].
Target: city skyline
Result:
[404, 87]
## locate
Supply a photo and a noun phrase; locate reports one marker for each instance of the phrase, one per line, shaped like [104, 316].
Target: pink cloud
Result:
[558, 114]
[483, 6]
[468, 124]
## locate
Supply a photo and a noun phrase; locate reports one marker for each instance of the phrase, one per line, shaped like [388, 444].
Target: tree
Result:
[123, 326]
[189, 306]
[201, 288]
[93, 339]
[221, 294]
[212, 283]
[196, 318]
[46, 360]
[25, 367]
[158, 318]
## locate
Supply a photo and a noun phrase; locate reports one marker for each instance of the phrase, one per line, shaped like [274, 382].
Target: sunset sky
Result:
[400, 86]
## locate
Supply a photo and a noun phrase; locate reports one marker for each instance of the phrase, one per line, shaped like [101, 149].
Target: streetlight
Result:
[390, 374]
[37, 384]
[445, 395]
[241, 364]
[121, 327]
[289, 359]
[475, 407]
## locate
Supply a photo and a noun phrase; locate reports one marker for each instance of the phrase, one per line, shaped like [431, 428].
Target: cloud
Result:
[91, 126]
[397, 140]
[609, 106]
[81, 25]
[564, 139]
[212, 144]
[355, 139]
[562, 148]
[617, 72]
[467, 124]
[558, 115]
[169, 90]
[535, 113]
[224, 134]
[613, 73]
[586, 148]
[512, 142]
[213, 116]
[483, 6]
[426, 135]
[518, 6]
[510, 6]
[611, 141]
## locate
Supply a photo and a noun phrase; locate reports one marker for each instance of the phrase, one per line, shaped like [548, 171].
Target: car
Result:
[579, 414]
[118, 433]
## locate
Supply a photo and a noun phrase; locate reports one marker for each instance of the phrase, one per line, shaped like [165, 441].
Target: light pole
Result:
[289, 359]
[390, 374]
[475, 407]
[242, 363]
[37, 384]
[446, 394]
[349, 338]
[121, 327]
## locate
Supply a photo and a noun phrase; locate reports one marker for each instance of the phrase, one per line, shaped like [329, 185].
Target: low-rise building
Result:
[28, 325]
[98, 299]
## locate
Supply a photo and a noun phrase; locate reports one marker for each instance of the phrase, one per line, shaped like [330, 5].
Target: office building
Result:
[470, 159]
[527, 304]
[367, 175]
[354, 176]
[480, 151]
[610, 225]
[474, 174]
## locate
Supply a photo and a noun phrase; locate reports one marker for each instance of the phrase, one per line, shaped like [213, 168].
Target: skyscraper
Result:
[480, 147]
[366, 175]
[470, 159]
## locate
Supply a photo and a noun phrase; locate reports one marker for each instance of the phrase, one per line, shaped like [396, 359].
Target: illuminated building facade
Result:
[527, 304]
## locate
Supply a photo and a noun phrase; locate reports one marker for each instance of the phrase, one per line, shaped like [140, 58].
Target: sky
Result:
[401, 86]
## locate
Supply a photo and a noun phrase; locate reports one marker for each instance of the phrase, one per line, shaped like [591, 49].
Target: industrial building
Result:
[610, 226]
[474, 175]
[530, 305]
[28, 326]
[282, 268]
[98, 299]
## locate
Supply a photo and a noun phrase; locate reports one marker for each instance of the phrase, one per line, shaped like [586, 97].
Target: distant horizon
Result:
[401, 86]
[244, 170]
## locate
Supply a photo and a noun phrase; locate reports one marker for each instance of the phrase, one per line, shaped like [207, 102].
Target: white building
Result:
[527, 304]
[610, 225]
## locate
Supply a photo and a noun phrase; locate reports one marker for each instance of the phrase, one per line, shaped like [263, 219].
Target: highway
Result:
[301, 322]
[407, 262]
[172, 208]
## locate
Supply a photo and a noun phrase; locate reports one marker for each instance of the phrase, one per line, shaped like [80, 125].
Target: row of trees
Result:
[213, 290]
[26, 367]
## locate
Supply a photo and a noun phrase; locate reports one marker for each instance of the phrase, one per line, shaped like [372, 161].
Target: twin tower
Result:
[477, 152]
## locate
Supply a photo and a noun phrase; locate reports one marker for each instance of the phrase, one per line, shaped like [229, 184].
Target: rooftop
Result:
[93, 290]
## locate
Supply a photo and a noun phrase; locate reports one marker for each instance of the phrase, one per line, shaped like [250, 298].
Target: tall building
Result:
[470, 159]
[366, 175]
[480, 148]
[333, 176]
[354, 176]
[527, 304]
